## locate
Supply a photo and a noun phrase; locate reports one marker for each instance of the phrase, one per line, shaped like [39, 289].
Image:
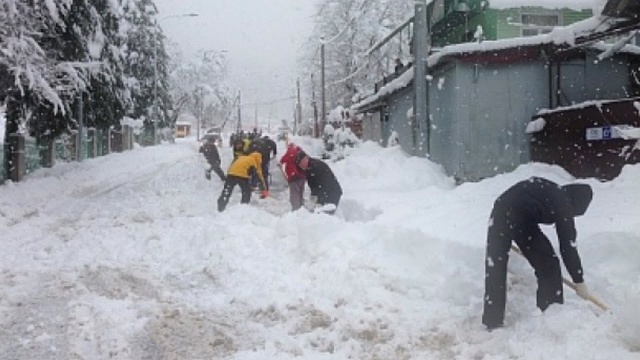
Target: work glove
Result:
[207, 174]
[264, 194]
[582, 291]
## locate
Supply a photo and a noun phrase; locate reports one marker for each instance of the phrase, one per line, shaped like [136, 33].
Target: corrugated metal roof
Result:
[622, 8]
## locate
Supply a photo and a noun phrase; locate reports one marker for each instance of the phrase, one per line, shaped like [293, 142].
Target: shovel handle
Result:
[570, 284]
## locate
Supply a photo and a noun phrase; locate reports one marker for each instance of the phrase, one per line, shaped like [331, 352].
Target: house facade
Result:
[483, 94]
[457, 21]
[182, 129]
[481, 102]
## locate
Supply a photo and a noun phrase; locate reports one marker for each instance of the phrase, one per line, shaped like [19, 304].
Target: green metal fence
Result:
[95, 143]
[63, 150]
[33, 155]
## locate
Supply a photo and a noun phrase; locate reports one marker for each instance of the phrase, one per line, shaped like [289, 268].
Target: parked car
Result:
[283, 133]
[214, 133]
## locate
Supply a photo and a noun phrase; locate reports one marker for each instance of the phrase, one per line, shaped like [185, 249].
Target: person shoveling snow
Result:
[515, 217]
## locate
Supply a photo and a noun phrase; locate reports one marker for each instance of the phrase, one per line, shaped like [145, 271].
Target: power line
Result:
[270, 102]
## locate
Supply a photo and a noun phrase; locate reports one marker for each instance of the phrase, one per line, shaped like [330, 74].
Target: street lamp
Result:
[155, 72]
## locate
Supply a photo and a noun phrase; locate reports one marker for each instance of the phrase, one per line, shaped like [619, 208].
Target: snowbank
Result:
[125, 257]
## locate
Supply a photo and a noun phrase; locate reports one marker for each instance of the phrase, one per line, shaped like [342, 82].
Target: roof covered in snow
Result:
[560, 37]
[585, 104]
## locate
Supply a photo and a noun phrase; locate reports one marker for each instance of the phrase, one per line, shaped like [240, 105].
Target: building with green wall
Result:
[458, 21]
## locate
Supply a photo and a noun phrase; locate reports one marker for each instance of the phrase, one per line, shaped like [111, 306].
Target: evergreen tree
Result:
[146, 64]
[107, 96]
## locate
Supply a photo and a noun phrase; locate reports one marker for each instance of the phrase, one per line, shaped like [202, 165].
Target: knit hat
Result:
[580, 195]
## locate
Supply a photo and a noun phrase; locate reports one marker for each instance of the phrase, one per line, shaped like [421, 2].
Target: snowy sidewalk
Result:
[125, 257]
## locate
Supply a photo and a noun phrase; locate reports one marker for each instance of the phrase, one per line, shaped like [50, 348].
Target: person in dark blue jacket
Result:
[322, 182]
[516, 216]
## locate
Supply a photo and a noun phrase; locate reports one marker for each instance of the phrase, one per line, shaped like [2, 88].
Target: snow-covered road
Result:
[125, 257]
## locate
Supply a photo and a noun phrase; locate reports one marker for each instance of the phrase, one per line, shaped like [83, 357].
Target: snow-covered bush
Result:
[394, 139]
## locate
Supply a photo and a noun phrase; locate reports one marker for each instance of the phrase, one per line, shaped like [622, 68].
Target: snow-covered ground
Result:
[125, 257]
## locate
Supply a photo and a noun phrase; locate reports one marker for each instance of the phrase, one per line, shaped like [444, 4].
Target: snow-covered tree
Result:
[30, 74]
[57, 57]
[349, 28]
[146, 63]
[198, 86]
[24, 64]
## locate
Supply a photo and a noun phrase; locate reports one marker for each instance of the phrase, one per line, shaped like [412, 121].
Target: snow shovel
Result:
[570, 284]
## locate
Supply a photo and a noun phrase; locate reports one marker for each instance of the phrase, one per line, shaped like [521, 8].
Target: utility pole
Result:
[200, 105]
[155, 85]
[315, 107]
[420, 126]
[80, 142]
[296, 125]
[239, 111]
[256, 117]
[322, 85]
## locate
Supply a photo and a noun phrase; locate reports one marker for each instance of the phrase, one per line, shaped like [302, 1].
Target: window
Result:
[437, 12]
[536, 24]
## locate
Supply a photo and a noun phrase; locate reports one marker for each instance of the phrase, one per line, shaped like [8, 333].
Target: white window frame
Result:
[539, 29]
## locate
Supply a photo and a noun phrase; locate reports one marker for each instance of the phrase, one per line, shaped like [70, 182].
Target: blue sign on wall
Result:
[606, 132]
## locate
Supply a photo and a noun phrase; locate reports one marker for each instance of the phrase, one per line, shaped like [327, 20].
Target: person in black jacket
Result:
[210, 152]
[322, 182]
[515, 217]
[266, 147]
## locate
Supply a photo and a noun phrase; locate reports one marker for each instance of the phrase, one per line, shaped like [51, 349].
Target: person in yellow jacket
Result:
[238, 174]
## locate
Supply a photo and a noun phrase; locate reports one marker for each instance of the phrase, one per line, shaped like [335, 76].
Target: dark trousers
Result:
[296, 193]
[538, 251]
[216, 169]
[265, 175]
[227, 190]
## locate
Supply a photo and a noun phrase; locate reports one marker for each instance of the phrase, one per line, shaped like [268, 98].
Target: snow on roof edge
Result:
[582, 105]
[559, 36]
[396, 84]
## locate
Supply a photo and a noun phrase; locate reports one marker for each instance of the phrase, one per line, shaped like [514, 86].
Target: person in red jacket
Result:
[295, 177]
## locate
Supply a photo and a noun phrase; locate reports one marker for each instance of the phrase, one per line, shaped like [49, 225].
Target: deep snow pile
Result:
[125, 257]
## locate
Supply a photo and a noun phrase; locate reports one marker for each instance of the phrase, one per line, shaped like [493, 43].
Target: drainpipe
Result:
[420, 123]
[558, 84]
[550, 71]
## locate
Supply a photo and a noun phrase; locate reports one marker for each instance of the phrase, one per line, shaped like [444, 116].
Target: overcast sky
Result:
[262, 39]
